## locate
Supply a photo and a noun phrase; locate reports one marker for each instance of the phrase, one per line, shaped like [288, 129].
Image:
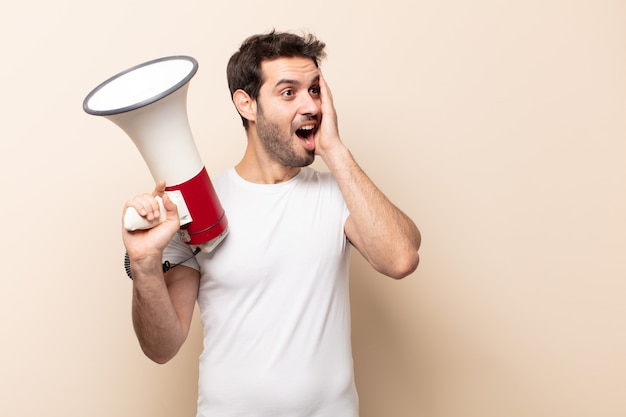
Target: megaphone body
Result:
[148, 102]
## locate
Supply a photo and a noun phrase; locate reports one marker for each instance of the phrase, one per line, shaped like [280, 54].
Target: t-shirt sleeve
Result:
[177, 251]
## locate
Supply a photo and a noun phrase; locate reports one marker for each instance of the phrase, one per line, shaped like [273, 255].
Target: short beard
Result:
[278, 146]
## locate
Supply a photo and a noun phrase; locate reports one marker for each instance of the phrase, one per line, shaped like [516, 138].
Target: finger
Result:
[169, 205]
[325, 89]
[146, 205]
[159, 188]
[328, 106]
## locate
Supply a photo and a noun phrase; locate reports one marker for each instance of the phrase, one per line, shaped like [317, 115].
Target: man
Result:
[273, 296]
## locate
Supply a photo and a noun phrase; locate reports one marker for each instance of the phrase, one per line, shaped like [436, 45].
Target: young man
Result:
[273, 296]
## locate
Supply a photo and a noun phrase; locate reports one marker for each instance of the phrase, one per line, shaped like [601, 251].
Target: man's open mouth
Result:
[305, 132]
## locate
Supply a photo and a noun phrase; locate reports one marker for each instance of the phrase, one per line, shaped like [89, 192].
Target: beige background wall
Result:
[498, 126]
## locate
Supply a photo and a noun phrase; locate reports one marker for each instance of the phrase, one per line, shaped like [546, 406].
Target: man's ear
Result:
[245, 105]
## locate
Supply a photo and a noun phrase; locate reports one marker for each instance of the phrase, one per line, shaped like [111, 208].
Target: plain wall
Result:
[499, 127]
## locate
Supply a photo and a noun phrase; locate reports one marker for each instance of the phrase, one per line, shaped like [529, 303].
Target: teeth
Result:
[305, 131]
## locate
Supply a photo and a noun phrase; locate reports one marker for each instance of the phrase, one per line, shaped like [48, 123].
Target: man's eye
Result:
[287, 93]
[315, 90]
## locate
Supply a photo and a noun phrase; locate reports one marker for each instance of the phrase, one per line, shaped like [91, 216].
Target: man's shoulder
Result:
[223, 174]
[223, 177]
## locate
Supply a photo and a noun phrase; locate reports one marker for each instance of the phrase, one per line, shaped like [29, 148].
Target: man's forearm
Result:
[156, 323]
[381, 232]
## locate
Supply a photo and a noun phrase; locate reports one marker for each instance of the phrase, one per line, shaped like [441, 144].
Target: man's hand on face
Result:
[327, 135]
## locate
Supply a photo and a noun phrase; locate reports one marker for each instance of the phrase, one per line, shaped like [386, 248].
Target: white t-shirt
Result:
[274, 302]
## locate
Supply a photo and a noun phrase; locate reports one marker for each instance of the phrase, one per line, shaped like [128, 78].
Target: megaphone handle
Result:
[134, 221]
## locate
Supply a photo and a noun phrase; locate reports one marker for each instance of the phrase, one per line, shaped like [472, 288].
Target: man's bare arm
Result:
[163, 304]
[385, 236]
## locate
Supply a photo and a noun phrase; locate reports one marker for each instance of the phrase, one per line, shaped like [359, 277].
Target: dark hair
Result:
[244, 67]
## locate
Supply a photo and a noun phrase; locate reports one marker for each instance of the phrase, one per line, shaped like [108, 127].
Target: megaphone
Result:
[149, 102]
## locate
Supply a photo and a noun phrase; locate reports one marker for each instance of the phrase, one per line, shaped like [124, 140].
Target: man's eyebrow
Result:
[288, 81]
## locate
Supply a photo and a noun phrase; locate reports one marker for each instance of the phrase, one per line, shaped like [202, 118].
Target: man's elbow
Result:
[399, 264]
[159, 357]
[407, 258]
[160, 360]
[405, 265]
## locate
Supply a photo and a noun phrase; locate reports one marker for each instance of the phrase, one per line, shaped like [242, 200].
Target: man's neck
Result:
[260, 169]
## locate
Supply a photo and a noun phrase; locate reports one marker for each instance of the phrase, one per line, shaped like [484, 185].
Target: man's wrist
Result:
[337, 156]
[147, 265]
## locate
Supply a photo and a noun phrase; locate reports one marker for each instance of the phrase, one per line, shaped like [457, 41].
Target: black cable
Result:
[166, 265]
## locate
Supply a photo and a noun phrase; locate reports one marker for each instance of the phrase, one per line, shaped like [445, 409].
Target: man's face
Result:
[288, 110]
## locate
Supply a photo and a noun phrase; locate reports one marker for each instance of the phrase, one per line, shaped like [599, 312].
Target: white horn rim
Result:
[156, 92]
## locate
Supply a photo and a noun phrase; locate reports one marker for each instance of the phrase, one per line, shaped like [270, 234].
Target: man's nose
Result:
[310, 105]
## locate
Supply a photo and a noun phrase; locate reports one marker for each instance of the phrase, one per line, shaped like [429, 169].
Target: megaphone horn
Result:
[149, 102]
